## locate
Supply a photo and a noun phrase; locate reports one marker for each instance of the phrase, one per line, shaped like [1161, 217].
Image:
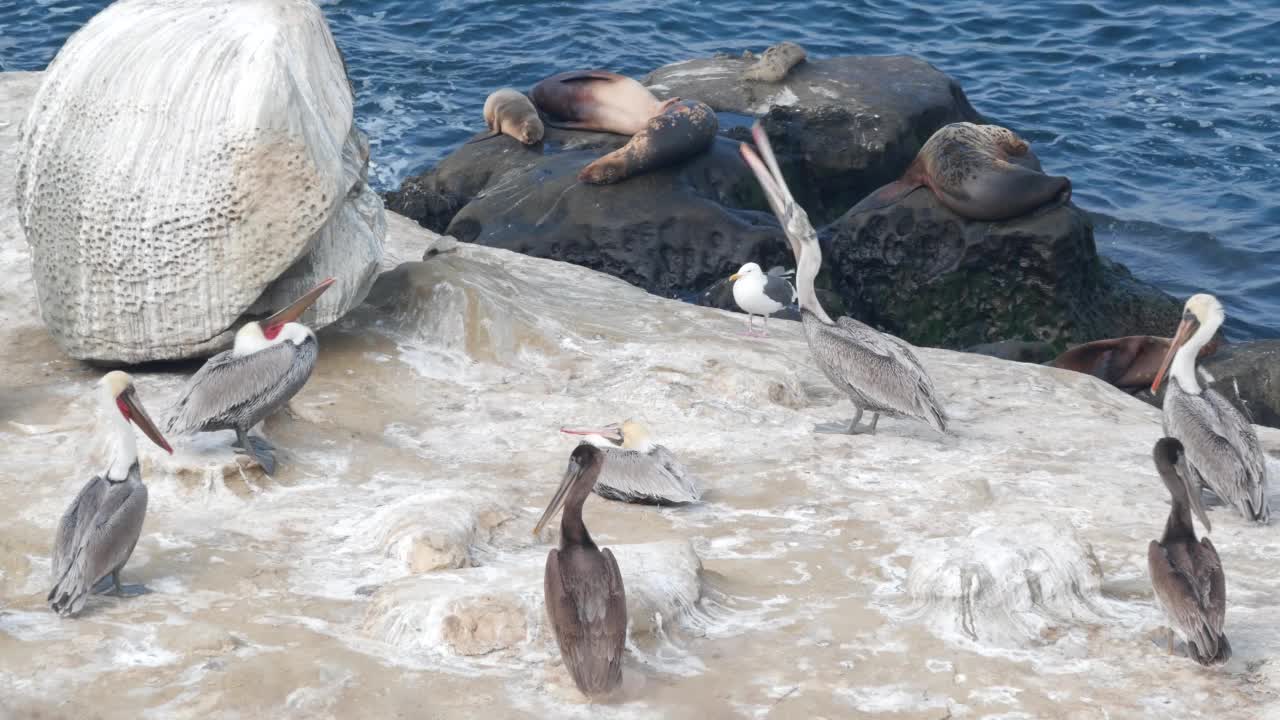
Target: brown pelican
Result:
[97, 533]
[637, 470]
[269, 363]
[582, 587]
[1221, 448]
[1187, 575]
[879, 372]
[760, 294]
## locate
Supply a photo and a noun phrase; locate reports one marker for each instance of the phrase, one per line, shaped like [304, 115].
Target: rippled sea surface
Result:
[1167, 119]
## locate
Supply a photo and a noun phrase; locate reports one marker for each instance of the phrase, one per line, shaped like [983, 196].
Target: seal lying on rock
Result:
[981, 172]
[508, 112]
[775, 63]
[685, 129]
[597, 100]
[1129, 363]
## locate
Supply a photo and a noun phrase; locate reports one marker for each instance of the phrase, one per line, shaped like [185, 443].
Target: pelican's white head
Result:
[1201, 318]
[120, 406]
[280, 327]
[630, 435]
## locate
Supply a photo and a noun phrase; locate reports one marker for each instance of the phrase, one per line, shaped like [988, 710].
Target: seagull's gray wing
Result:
[230, 391]
[777, 289]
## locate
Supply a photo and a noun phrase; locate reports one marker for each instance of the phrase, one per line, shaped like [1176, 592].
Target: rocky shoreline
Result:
[914, 269]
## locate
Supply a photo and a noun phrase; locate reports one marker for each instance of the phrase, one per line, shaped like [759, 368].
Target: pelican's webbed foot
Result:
[111, 585]
[257, 448]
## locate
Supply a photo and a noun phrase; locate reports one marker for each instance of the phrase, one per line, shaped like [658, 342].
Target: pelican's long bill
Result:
[571, 475]
[139, 416]
[299, 306]
[612, 433]
[1186, 329]
[764, 164]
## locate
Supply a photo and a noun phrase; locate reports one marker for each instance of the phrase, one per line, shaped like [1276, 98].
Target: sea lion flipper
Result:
[886, 196]
[1002, 191]
[685, 130]
[488, 136]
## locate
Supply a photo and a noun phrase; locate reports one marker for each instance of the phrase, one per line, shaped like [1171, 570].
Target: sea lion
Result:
[982, 172]
[508, 112]
[685, 129]
[1129, 363]
[597, 100]
[775, 63]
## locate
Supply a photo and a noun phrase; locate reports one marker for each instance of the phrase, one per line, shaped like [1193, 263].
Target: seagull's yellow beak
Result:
[735, 276]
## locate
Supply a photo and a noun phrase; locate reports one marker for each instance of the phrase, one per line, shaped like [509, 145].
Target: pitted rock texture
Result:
[180, 156]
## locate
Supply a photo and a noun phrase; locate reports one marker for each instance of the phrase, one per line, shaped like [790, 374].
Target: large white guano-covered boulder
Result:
[186, 162]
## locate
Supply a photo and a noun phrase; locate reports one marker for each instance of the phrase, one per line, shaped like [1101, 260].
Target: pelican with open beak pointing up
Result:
[98, 532]
[1221, 447]
[269, 363]
[879, 372]
[582, 587]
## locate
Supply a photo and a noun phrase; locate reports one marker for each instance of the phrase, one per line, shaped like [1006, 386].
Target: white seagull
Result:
[760, 294]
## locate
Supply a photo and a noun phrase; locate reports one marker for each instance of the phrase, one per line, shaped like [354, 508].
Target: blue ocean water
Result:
[1166, 118]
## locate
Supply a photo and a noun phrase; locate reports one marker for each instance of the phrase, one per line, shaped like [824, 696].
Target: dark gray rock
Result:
[841, 126]
[668, 231]
[934, 278]
[1249, 374]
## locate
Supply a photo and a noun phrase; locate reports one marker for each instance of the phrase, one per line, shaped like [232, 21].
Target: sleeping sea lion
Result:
[508, 112]
[982, 172]
[1129, 363]
[685, 129]
[597, 100]
[775, 63]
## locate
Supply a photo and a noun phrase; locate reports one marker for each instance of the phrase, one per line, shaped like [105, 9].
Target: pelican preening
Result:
[879, 372]
[269, 363]
[582, 587]
[1186, 575]
[1222, 449]
[759, 294]
[637, 470]
[99, 530]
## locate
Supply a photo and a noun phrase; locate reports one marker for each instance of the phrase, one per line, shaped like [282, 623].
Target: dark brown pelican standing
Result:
[582, 587]
[1185, 574]
[880, 373]
[98, 532]
[269, 363]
